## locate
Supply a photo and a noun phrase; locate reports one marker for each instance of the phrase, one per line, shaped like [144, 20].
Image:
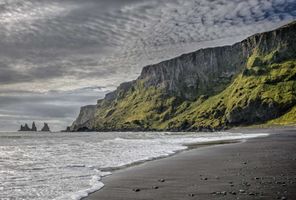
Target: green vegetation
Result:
[263, 92]
[251, 98]
[287, 119]
[141, 108]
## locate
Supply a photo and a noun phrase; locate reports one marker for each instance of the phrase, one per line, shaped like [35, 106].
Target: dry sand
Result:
[260, 168]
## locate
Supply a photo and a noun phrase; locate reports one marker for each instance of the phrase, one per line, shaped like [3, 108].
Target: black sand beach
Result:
[260, 168]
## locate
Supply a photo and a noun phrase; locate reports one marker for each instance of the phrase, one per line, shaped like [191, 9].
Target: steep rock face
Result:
[206, 70]
[84, 119]
[211, 88]
[45, 128]
[202, 72]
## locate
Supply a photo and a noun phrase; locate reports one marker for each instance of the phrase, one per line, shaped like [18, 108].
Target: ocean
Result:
[69, 166]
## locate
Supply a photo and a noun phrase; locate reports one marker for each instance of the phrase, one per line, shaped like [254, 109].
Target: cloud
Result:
[66, 46]
[56, 108]
[91, 38]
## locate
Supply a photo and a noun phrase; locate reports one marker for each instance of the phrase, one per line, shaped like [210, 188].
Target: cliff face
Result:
[84, 119]
[201, 72]
[211, 88]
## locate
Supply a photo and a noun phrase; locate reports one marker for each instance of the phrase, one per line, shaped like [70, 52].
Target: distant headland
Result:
[34, 128]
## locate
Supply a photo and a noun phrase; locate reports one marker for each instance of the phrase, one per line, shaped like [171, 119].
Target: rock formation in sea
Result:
[34, 128]
[21, 128]
[27, 128]
[250, 82]
[24, 128]
[45, 128]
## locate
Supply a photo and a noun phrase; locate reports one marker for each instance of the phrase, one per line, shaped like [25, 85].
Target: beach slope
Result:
[260, 168]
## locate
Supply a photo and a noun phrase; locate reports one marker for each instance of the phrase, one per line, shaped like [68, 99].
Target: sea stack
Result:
[45, 128]
[25, 128]
[34, 128]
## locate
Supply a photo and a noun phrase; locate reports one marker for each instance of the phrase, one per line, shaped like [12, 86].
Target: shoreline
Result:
[136, 181]
[189, 147]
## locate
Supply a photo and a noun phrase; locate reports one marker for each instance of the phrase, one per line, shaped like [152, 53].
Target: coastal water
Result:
[65, 166]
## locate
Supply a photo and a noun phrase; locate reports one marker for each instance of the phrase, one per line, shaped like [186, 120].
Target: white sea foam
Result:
[65, 166]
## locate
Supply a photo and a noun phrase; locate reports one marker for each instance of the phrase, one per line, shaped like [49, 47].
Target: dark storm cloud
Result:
[52, 50]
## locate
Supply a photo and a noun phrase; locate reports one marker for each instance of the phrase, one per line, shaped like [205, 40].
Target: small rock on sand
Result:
[220, 193]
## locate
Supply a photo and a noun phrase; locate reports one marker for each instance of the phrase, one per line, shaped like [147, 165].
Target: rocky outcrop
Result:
[34, 128]
[27, 128]
[45, 128]
[199, 73]
[84, 121]
[182, 93]
[24, 128]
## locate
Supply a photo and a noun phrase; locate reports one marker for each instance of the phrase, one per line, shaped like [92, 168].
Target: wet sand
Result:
[260, 168]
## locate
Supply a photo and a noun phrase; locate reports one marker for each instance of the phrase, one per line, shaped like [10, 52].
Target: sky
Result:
[58, 55]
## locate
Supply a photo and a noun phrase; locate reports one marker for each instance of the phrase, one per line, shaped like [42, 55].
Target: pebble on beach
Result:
[242, 191]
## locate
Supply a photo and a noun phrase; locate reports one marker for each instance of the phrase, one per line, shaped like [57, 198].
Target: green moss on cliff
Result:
[264, 91]
[249, 99]
[141, 108]
[287, 119]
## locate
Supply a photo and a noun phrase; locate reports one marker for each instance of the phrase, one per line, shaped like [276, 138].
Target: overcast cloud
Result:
[56, 56]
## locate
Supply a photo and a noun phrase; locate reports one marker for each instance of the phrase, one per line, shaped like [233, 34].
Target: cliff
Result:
[252, 81]
[85, 118]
